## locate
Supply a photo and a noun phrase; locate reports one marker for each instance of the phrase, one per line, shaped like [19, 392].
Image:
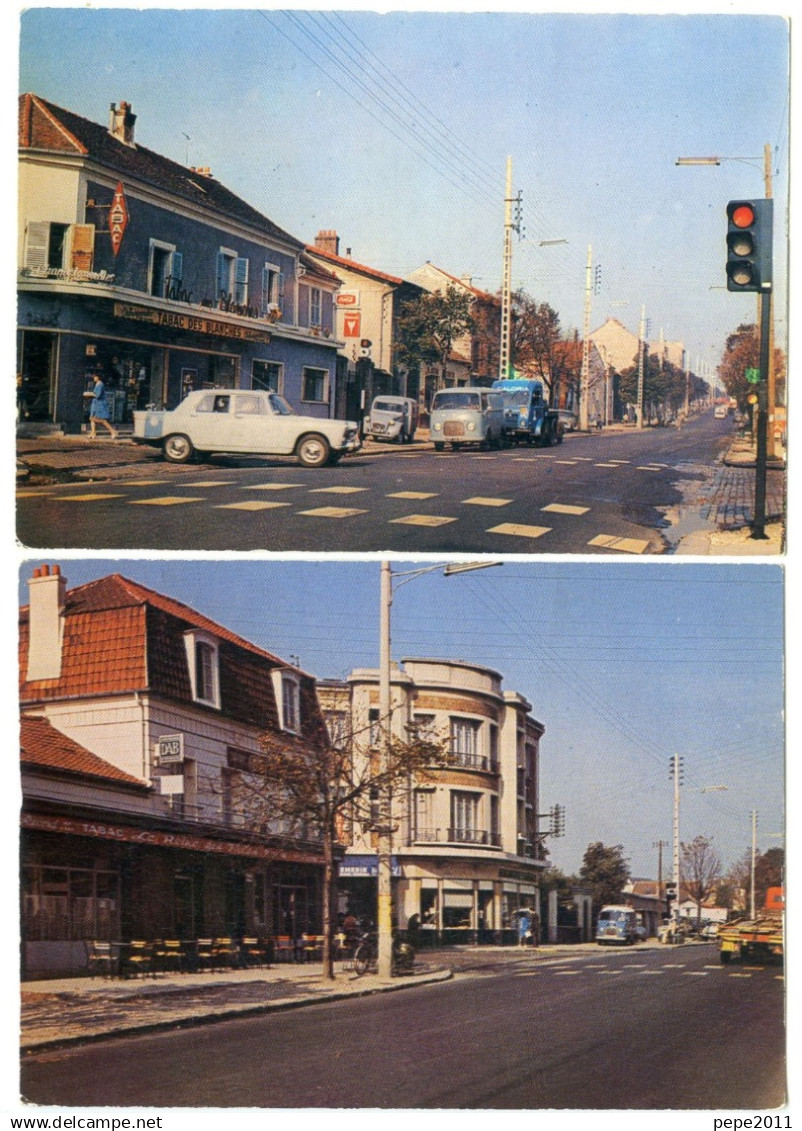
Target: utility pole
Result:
[676, 773]
[511, 224]
[641, 332]
[584, 381]
[384, 876]
[752, 875]
[660, 845]
[769, 298]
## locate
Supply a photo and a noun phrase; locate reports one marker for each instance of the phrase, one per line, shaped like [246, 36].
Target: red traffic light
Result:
[743, 216]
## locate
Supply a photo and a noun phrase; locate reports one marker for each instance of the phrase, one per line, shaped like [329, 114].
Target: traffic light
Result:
[671, 892]
[749, 240]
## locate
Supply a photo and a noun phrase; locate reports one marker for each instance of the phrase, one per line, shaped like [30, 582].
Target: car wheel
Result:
[439, 447]
[178, 449]
[313, 451]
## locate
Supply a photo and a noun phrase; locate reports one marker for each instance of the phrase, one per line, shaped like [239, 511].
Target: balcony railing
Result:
[457, 836]
[470, 761]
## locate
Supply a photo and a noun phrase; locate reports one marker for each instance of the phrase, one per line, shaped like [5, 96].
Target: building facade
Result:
[466, 850]
[142, 727]
[367, 307]
[157, 277]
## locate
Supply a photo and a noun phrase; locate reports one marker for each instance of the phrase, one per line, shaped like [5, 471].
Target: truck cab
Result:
[527, 416]
[468, 415]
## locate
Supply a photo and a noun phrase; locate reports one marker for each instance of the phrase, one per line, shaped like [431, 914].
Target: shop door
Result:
[35, 381]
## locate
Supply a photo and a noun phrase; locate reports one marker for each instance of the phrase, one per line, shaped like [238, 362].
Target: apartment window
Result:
[315, 385]
[232, 277]
[464, 734]
[315, 306]
[493, 746]
[374, 728]
[51, 248]
[464, 816]
[165, 269]
[287, 689]
[272, 289]
[267, 376]
[424, 816]
[203, 662]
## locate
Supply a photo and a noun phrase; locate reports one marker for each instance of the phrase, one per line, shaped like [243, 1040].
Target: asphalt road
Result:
[592, 494]
[638, 1029]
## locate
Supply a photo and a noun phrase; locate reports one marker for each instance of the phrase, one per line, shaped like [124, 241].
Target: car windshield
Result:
[455, 399]
[613, 916]
[520, 397]
[280, 406]
[386, 406]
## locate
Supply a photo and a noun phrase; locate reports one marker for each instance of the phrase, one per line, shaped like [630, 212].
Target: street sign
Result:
[351, 325]
[170, 749]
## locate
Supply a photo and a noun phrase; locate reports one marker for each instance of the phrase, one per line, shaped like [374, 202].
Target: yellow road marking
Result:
[338, 490]
[251, 505]
[625, 545]
[413, 495]
[332, 512]
[209, 483]
[480, 501]
[88, 498]
[271, 486]
[164, 501]
[564, 508]
[517, 530]
[423, 520]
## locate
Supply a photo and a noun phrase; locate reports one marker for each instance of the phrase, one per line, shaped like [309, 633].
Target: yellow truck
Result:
[759, 939]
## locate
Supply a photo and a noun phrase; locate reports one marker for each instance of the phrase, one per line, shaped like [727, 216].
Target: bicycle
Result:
[366, 957]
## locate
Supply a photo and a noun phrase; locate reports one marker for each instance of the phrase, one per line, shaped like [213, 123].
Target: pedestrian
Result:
[99, 409]
[523, 928]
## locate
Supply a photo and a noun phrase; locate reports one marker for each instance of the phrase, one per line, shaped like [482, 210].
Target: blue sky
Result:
[395, 128]
[624, 664]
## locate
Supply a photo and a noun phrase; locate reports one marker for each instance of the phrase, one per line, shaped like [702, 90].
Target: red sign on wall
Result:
[118, 218]
[351, 323]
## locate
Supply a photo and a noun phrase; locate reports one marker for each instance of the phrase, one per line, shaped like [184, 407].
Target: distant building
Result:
[467, 850]
[156, 276]
[142, 720]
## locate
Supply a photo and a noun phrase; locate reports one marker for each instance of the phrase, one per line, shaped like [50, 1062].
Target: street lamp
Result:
[384, 913]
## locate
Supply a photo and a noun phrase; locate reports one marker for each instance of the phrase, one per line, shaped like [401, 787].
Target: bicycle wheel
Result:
[361, 959]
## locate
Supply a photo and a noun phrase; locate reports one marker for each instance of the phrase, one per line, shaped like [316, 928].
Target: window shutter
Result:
[265, 288]
[241, 278]
[222, 273]
[82, 246]
[177, 268]
[280, 298]
[37, 239]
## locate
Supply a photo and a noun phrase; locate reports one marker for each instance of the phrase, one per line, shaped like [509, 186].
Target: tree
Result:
[769, 872]
[315, 788]
[605, 871]
[700, 870]
[539, 350]
[742, 352]
[428, 326]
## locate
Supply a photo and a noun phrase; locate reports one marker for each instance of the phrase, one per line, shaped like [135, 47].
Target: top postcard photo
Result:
[318, 281]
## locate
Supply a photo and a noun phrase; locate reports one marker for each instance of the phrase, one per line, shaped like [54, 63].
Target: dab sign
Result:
[351, 325]
[118, 218]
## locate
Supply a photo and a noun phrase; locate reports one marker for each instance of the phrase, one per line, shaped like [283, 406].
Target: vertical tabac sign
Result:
[118, 218]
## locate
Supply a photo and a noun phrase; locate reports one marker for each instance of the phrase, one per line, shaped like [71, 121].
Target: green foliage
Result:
[428, 326]
[605, 871]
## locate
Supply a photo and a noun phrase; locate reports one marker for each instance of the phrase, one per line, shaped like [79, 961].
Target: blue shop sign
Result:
[365, 866]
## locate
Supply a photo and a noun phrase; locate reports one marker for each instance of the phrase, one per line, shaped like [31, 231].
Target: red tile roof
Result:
[43, 746]
[352, 265]
[121, 637]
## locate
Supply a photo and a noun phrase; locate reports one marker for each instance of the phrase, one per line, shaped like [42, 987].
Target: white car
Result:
[244, 421]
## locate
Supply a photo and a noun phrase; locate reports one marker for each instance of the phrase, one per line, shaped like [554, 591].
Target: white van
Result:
[469, 415]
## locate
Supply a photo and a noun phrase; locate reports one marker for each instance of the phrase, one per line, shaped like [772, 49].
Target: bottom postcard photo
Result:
[543, 799]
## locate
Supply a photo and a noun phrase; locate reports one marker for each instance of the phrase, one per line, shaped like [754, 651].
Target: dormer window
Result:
[204, 668]
[287, 686]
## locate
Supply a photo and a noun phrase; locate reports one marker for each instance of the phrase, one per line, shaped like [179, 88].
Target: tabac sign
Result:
[118, 218]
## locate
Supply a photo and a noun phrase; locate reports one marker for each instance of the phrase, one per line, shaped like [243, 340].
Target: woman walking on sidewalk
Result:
[99, 409]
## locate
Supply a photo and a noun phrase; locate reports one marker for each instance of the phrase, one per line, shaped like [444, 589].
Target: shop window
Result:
[268, 376]
[315, 385]
[203, 662]
[66, 904]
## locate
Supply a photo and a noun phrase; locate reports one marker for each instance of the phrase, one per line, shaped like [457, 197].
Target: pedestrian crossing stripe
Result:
[565, 508]
[338, 490]
[413, 495]
[271, 486]
[150, 483]
[88, 498]
[567, 462]
[613, 465]
[165, 501]
[517, 530]
[647, 469]
[625, 545]
[423, 520]
[251, 505]
[481, 501]
[332, 512]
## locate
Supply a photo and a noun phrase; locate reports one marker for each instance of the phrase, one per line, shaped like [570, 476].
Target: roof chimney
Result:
[328, 241]
[121, 123]
[47, 590]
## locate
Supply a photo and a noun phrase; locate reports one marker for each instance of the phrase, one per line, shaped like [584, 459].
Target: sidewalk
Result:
[68, 1011]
